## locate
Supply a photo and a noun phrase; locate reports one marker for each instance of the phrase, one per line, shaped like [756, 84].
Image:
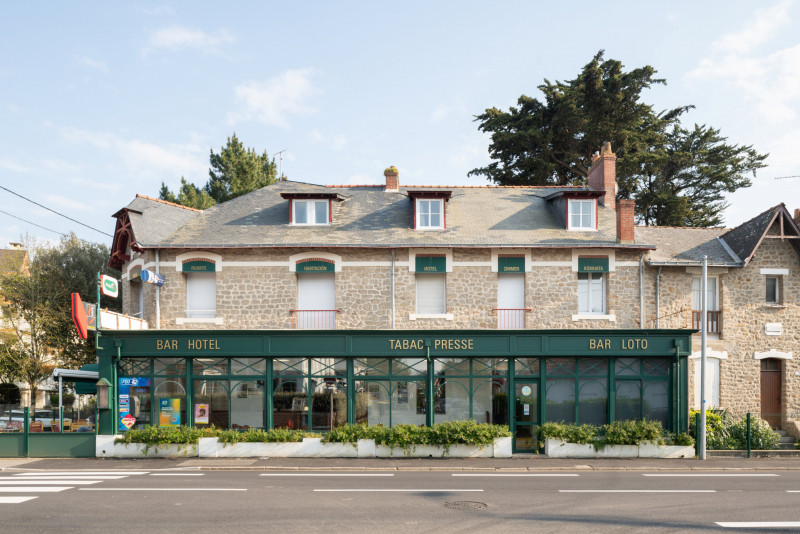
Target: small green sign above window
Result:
[198, 266]
[431, 264]
[593, 265]
[135, 273]
[315, 266]
[510, 265]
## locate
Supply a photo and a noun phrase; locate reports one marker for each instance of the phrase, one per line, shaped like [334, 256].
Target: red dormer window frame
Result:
[580, 195]
[291, 197]
[444, 196]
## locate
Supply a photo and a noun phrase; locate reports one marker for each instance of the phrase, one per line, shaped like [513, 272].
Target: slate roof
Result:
[152, 220]
[369, 216]
[745, 238]
[686, 246]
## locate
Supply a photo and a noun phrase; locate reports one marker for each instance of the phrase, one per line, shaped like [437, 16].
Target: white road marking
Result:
[637, 491]
[16, 500]
[45, 482]
[34, 489]
[77, 473]
[759, 524]
[326, 475]
[162, 489]
[424, 490]
[67, 477]
[176, 474]
[710, 475]
[513, 475]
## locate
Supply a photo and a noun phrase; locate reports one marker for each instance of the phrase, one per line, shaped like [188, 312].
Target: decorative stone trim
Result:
[200, 320]
[772, 353]
[511, 253]
[776, 272]
[710, 353]
[216, 259]
[593, 317]
[138, 263]
[414, 252]
[294, 259]
[445, 316]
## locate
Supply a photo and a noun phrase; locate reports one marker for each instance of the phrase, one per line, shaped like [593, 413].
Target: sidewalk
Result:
[516, 464]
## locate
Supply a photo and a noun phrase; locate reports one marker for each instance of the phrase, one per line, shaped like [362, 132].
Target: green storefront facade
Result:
[318, 379]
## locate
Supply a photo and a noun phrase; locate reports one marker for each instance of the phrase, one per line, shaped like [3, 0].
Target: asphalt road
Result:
[193, 500]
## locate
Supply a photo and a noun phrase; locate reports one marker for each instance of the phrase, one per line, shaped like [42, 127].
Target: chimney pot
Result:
[392, 178]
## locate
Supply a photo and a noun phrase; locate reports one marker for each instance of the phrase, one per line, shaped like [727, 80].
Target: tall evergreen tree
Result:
[551, 143]
[233, 172]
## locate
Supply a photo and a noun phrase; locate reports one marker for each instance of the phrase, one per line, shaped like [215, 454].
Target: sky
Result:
[102, 100]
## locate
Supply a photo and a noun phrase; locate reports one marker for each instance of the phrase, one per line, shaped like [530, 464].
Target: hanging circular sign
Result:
[526, 390]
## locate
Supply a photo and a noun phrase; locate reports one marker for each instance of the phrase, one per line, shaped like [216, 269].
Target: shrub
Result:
[726, 432]
[633, 433]
[571, 433]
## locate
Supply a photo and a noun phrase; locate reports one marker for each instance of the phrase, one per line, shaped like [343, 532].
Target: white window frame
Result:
[311, 212]
[419, 213]
[587, 286]
[777, 299]
[591, 203]
[712, 287]
[201, 282]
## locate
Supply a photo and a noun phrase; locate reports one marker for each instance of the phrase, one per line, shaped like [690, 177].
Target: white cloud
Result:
[274, 100]
[442, 111]
[145, 162]
[158, 10]
[9, 164]
[93, 63]
[768, 79]
[336, 142]
[180, 37]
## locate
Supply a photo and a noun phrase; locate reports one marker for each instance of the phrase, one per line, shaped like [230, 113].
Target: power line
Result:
[54, 211]
[33, 223]
[785, 177]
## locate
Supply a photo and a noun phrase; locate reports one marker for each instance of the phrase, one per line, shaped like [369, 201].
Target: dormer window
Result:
[430, 213]
[429, 209]
[582, 214]
[310, 211]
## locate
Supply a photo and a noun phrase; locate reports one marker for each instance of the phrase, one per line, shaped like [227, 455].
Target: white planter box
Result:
[106, 448]
[308, 448]
[555, 448]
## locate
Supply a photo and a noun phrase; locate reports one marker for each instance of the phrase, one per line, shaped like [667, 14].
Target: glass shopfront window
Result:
[471, 388]
[214, 395]
[247, 404]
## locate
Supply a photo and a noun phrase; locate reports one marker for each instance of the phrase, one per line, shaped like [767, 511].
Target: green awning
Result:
[86, 386]
[431, 264]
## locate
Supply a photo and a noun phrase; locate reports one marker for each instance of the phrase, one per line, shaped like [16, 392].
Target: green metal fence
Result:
[32, 439]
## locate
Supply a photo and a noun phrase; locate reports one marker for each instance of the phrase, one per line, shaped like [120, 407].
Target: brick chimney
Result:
[625, 212]
[603, 175]
[392, 178]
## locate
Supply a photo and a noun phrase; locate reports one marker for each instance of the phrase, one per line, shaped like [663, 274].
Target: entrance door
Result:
[771, 392]
[526, 415]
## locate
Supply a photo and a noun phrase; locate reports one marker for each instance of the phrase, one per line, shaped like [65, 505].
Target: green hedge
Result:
[727, 432]
[636, 432]
[185, 435]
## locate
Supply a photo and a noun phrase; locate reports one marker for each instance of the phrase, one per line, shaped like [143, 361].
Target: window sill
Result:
[775, 305]
[594, 317]
[199, 320]
[581, 229]
[429, 228]
[445, 316]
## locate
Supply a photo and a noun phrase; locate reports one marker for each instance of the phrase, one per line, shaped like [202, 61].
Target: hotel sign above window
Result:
[593, 264]
[199, 266]
[431, 264]
[315, 266]
[510, 265]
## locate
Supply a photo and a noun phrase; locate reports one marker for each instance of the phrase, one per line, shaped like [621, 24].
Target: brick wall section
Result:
[603, 174]
[625, 213]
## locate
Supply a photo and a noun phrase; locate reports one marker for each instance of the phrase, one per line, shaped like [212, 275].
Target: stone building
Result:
[421, 304]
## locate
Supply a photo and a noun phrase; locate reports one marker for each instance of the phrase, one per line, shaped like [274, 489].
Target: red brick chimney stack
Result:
[625, 213]
[603, 175]
[392, 178]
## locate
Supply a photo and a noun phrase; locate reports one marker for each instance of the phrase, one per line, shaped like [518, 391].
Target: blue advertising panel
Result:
[129, 390]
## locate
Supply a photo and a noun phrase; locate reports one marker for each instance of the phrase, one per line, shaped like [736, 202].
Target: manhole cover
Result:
[465, 505]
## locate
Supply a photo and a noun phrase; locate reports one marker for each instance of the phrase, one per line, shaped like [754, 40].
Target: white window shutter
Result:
[431, 293]
[201, 295]
[511, 291]
[316, 291]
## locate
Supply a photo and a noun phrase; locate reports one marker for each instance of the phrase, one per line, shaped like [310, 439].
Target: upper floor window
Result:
[711, 291]
[430, 213]
[310, 211]
[201, 294]
[431, 293]
[773, 290]
[591, 293]
[581, 214]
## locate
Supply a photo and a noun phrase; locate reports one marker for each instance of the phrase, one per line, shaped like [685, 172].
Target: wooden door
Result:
[771, 392]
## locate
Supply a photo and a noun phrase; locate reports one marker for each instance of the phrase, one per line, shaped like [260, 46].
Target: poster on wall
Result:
[131, 390]
[169, 412]
[201, 414]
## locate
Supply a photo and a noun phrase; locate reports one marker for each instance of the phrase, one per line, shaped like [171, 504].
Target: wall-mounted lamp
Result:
[102, 394]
